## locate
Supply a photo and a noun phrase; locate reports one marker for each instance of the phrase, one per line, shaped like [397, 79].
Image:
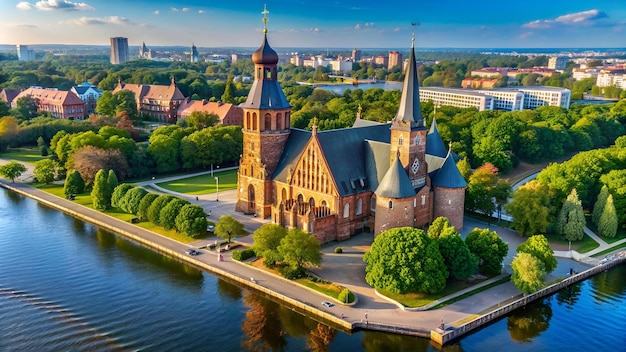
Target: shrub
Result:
[119, 192]
[292, 273]
[243, 254]
[346, 296]
[338, 250]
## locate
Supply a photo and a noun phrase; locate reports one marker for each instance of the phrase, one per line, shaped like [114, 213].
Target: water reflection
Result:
[610, 285]
[262, 327]
[528, 323]
[229, 291]
[321, 337]
[569, 295]
[374, 341]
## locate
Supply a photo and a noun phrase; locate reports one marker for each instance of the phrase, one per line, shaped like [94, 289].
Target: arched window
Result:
[346, 210]
[390, 204]
[359, 206]
[312, 202]
[300, 198]
[287, 122]
[283, 194]
[373, 203]
[247, 120]
[324, 204]
[279, 121]
[254, 121]
[268, 122]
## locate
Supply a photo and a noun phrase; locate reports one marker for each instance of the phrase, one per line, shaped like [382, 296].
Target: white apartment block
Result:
[607, 78]
[461, 98]
[535, 97]
[506, 99]
[558, 62]
[341, 66]
[582, 73]
[24, 54]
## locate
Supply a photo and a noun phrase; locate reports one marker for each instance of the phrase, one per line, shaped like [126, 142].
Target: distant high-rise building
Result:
[24, 54]
[119, 50]
[144, 52]
[356, 55]
[558, 62]
[194, 53]
[395, 59]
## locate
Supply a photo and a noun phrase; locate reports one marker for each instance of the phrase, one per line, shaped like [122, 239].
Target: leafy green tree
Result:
[112, 182]
[89, 160]
[483, 188]
[529, 274]
[571, 220]
[607, 226]
[12, 170]
[300, 249]
[405, 260]
[489, 248]
[464, 168]
[26, 108]
[118, 194]
[191, 220]
[154, 210]
[105, 105]
[167, 216]
[130, 202]
[267, 239]
[145, 203]
[598, 207]
[201, 119]
[74, 184]
[460, 262]
[491, 150]
[228, 227]
[164, 151]
[538, 247]
[45, 170]
[125, 103]
[229, 92]
[438, 226]
[530, 209]
[100, 191]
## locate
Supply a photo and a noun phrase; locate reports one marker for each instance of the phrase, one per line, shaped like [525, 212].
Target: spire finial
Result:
[358, 111]
[314, 129]
[265, 12]
[414, 24]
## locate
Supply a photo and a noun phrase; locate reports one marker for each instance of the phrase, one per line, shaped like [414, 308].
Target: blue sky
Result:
[321, 23]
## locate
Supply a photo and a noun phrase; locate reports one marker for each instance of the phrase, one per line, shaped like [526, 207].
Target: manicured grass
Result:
[203, 184]
[414, 300]
[471, 293]
[621, 234]
[24, 155]
[85, 200]
[609, 250]
[585, 245]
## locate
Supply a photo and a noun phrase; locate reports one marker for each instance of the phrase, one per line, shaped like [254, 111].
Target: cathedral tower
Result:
[408, 134]
[266, 128]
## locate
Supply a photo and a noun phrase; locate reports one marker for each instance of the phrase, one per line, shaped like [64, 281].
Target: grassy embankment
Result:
[203, 184]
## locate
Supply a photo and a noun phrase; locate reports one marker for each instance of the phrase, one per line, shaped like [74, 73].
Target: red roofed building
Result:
[477, 83]
[228, 114]
[61, 104]
[155, 101]
[7, 95]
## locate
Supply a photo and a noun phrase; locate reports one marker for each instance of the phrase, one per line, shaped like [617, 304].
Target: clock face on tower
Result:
[415, 166]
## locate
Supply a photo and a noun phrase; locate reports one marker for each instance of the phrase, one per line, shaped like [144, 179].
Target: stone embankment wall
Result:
[442, 337]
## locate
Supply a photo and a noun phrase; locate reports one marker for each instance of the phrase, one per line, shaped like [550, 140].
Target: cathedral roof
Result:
[265, 55]
[396, 183]
[449, 175]
[409, 111]
[434, 143]
[266, 94]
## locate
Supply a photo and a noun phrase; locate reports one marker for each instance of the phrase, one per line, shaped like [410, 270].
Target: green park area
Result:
[24, 155]
[203, 184]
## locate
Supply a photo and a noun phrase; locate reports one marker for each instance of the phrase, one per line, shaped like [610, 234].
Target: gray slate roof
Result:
[434, 143]
[266, 94]
[449, 175]
[396, 183]
[409, 110]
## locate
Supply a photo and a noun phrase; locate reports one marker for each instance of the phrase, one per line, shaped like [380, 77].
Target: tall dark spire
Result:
[409, 111]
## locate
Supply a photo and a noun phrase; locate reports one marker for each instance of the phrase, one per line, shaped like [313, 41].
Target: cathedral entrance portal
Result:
[251, 200]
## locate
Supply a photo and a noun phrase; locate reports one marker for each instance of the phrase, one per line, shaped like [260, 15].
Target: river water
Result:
[340, 88]
[66, 285]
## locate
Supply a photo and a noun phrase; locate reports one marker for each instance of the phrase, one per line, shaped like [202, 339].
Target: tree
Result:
[460, 262]
[489, 248]
[100, 191]
[191, 220]
[25, 107]
[484, 187]
[571, 220]
[598, 207]
[167, 216]
[267, 239]
[105, 105]
[438, 226]
[12, 170]
[299, 249]
[89, 160]
[112, 182]
[404, 260]
[125, 103]
[200, 120]
[154, 210]
[130, 202]
[529, 207]
[165, 151]
[45, 170]
[529, 274]
[607, 226]
[145, 203]
[229, 92]
[228, 227]
[464, 168]
[119, 192]
[538, 247]
[74, 184]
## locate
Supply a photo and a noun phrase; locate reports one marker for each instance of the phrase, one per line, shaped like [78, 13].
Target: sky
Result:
[321, 23]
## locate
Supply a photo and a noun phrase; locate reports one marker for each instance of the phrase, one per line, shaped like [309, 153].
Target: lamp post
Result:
[217, 188]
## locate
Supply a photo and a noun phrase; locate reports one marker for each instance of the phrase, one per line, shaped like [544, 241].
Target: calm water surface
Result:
[66, 285]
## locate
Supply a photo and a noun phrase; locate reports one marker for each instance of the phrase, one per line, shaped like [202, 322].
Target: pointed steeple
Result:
[434, 142]
[395, 183]
[409, 111]
[449, 175]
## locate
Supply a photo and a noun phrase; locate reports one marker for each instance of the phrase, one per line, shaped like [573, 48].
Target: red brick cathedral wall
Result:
[449, 202]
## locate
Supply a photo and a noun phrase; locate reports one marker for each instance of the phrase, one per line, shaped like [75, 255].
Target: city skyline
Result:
[327, 24]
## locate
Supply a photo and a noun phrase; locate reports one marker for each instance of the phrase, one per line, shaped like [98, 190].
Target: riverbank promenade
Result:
[346, 269]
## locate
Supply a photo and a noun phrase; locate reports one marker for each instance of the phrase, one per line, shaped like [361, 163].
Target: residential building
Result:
[336, 183]
[611, 77]
[24, 53]
[381, 60]
[119, 50]
[461, 98]
[228, 114]
[582, 73]
[194, 53]
[235, 57]
[338, 66]
[558, 62]
[477, 83]
[88, 93]
[395, 59]
[489, 72]
[155, 101]
[536, 96]
[61, 104]
[356, 55]
[8, 95]
[505, 99]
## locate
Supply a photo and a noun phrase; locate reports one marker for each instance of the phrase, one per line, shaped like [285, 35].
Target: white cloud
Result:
[157, 12]
[22, 26]
[64, 5]
[369, 24]
[185, 9]
[397, 29]
[24, 5]
[89, 21]
[200, 11]
[585, 18]
[174, 9]
[358, 26]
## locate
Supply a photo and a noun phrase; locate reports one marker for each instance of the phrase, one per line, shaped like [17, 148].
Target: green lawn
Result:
[85, 200]
[583, 246]
[203, 184]
[621, 234]
[24, 155]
